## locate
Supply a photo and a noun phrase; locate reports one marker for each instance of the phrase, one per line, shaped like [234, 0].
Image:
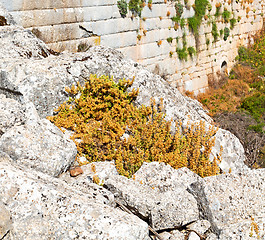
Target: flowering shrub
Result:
[107, 126]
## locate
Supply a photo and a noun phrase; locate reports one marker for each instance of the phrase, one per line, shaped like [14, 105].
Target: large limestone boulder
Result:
[43, 207]
[163, 208]
[233, 203]
[41, 146]
[12, 113]
[20, 44]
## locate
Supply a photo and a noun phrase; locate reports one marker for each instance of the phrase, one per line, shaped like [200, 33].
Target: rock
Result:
[21, 44]
[212, 236]
[4, 157]
[5, 221]
[84, 182]
[103, 170]
[228, 202]
[163, 177]
[74, 172]
[173, 235]
[193, 236]
[200, 226]
[233, 155]
[43, 207]
[12, 113]
[5, 17]
[41, 146]
[163, 210]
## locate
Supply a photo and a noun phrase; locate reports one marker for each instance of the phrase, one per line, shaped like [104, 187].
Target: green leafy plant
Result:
[195, 22]
[169, 39]
[182, 22]
[226, 15]
[184, 39]
[182, 53]
[215, 31]
[226, 33]
[175, 19]
[179, 9]
[136, 6]
[232, 23]
[122, 5]
[218, 9]
[191, 51]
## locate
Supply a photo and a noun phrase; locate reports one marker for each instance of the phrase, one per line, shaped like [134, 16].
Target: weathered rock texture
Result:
[5, 221]
[42, 81]
[69, 24]
[35, 205]
[43, 207]
[41, 146]
[161, 210]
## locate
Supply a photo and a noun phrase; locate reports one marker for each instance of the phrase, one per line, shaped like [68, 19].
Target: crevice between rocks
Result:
[197, 190]
[6, 234]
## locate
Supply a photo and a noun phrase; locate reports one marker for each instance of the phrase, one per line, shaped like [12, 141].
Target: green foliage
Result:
[182, 22]
[207, 41]
[200, 10]
[226, 15]
[182, 53]
[122, 5]
[215, 31]
[209, 7]
[175, 19]
[169, 39]
[226, 33]
[136, 6]
[104, 112]
[232, 23]
[184, 40]
[255, 105]
[194, 24]
[257, 128]
[179, 9]
[191, 51]
[218, 10]
[221, 32]
[254, 56]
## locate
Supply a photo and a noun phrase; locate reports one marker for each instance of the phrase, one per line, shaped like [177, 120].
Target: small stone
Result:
[74, 172]
[200, 226]
[193, 236]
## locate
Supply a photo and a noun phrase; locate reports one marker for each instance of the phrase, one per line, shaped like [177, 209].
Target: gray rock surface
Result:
[103, 170]
[163, 177]
[200, 226]
[12, 113]
[193, 236]
[163, 210]
[233, 154]
[21, 44]
[43, 207]
[85, 181]
[229, 201]
[5, 221]
[41, 146]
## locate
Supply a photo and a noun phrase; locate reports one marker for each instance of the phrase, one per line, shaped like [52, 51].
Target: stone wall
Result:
[73, 24]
